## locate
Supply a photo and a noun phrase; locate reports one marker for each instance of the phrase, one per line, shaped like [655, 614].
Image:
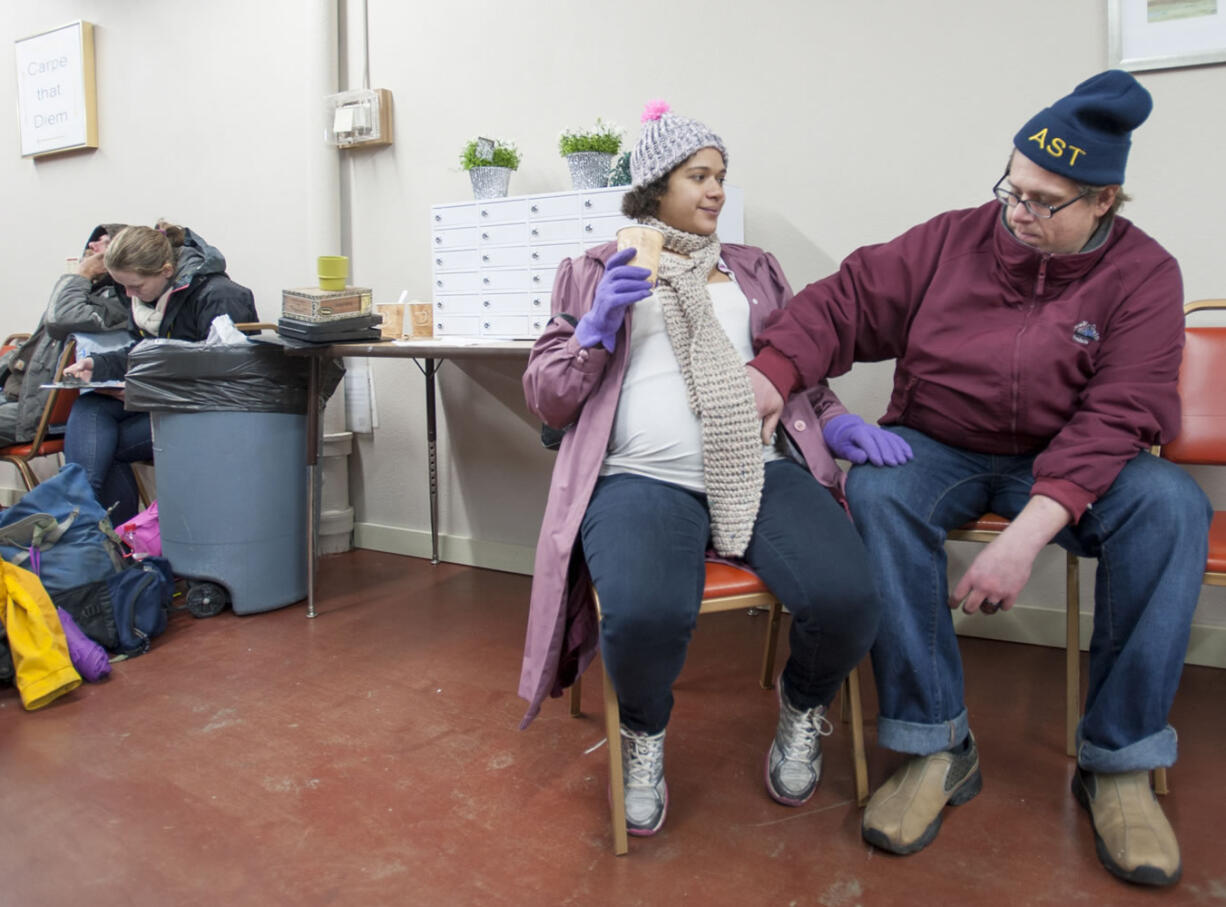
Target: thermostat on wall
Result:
[358, 118]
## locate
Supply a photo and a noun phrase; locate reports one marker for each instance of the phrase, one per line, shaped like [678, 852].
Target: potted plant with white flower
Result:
[590, 152]
[489, 163]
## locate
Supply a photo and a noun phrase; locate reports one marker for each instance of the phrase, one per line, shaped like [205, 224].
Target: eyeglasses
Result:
[1036, 209]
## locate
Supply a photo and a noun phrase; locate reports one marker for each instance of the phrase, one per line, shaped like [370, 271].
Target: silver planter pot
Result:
[589, 169]
[490, 182]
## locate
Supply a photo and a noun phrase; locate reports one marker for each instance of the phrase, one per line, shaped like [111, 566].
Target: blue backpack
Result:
[123, 612]
[60, 531]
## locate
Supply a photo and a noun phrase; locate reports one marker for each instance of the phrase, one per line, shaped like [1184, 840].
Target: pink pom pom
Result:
[653, 110]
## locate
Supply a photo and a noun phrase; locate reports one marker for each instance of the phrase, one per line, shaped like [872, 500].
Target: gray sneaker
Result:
[643, 775]
[794, 763]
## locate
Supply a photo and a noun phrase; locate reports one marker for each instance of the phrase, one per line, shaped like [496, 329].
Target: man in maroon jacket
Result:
[1038, 341]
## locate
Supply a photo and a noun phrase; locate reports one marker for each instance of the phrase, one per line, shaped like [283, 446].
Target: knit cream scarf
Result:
[148, 315]
[718, 388]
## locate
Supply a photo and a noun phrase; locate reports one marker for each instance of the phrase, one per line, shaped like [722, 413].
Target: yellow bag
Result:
[36, 639]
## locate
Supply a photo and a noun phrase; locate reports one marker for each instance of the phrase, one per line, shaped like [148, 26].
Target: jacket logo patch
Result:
[1085, 331]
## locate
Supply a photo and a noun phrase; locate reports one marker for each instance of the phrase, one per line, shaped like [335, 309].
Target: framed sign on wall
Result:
[56, 95]
[1161, 34]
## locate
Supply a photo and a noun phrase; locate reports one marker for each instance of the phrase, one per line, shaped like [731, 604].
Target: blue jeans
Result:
[104, 439]
[645, 541]
[1149, 532]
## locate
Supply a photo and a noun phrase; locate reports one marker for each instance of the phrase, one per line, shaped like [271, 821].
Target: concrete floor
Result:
[371, 757]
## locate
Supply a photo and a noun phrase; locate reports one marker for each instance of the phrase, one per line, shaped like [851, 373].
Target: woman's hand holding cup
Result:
[622, 286]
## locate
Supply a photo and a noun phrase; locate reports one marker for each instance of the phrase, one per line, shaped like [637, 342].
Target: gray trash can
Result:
[229, 453]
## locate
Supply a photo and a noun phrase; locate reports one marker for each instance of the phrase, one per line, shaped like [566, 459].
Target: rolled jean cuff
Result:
[1155, 751]
[921, 739]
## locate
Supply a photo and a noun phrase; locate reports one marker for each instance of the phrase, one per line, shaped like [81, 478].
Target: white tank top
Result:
[654, 432]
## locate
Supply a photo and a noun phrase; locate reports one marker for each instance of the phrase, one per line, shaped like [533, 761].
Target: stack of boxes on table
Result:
[334, 312]
[331, 312]
[328, 316]
[331, 316]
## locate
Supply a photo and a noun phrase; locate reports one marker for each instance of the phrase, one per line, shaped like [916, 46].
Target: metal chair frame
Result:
[987, 528]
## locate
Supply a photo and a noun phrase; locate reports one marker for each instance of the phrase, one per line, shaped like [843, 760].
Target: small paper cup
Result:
[421, 321]
[647, 243]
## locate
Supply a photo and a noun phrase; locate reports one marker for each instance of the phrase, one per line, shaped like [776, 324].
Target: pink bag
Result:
[141, 533]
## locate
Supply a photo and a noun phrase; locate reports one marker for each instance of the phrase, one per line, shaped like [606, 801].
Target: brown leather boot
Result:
[1131, 834]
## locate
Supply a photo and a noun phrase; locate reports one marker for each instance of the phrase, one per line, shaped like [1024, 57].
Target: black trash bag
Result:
[174, 376]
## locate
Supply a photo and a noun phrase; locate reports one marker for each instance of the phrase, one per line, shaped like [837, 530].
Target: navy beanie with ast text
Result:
[1086, 134]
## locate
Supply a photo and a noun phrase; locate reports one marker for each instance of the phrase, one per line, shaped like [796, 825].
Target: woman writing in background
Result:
[177, 285]
[664, 458]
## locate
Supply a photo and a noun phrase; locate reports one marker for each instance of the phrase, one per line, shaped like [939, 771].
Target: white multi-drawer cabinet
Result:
[492, 262]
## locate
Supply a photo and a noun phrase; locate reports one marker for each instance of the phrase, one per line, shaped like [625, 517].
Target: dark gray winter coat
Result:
[77, 305]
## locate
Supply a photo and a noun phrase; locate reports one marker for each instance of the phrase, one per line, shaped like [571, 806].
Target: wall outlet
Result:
[359, 118]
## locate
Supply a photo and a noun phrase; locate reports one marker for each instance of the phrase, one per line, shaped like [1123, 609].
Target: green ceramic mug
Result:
[332, 270]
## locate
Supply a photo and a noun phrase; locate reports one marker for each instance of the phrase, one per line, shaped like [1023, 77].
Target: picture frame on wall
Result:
[56, 92]
[1162, 34]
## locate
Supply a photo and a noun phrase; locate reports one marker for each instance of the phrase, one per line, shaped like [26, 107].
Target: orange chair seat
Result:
[725, 579]
[989, 522]
[25, 451]
[1217, 543]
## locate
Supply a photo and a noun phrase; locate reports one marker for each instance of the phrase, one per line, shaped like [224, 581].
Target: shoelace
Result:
[644, 761]
[802, 730]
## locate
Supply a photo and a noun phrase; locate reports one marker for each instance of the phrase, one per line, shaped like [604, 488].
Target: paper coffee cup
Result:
[647, 243]
[392, 326]
[421, 321]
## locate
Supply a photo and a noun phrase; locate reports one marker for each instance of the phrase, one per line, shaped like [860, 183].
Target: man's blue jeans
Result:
[645, 540]
[1149, 532]
[105, 439]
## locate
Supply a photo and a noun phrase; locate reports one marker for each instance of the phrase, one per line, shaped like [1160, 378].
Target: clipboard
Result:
[82, 385]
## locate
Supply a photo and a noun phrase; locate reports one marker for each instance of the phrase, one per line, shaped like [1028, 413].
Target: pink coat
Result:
[568, 386]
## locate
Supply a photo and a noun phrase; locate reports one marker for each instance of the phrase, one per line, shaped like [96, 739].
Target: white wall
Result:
[846, 123]
[209, 115]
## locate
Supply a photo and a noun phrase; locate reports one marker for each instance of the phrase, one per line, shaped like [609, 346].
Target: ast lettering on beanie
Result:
[1086, 134]
[665, 141]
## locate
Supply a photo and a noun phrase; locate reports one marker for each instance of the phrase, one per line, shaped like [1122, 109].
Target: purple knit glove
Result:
[850, 437]
[622, 286]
